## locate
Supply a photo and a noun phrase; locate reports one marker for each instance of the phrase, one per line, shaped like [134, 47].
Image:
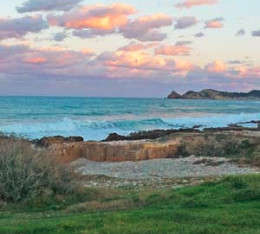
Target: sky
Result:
[122, 48]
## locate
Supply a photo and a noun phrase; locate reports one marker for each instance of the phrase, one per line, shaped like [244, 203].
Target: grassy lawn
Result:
[231, 205]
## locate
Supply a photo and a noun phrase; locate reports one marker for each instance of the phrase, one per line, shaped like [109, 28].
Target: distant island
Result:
[216, 95]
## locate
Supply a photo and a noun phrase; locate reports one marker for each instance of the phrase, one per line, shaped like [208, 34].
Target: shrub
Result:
[26, 173]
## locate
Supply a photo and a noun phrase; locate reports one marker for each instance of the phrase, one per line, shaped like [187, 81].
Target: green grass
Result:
[231, 205]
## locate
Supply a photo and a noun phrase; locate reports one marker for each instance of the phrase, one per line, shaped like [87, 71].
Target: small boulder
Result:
[115, 137]
[48, 141]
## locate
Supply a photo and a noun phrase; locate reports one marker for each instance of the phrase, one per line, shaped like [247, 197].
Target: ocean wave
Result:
[97, 129]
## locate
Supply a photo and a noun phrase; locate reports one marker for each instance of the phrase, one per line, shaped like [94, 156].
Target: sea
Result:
[96, 118]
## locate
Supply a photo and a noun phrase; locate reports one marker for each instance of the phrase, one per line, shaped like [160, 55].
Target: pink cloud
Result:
[36, 60]
[88, 51]
[215, 23]
[245, 71]
[143, 61]
[192, 3]
[134, 61]
[185, 66]
[216, 67]
[52, 60]
[133, 46]
[173, 50]
[101, 17]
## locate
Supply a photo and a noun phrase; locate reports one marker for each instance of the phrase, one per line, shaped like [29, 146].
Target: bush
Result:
[26, 173]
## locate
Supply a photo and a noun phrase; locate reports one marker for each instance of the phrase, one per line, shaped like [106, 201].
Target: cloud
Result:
[54, 60]
[47, 5]
[60, 69]
[90, 33]
[181, 43]
[133, 47]
[61, 36]
[192, 3]
[199, 34]
[56, 57]
[256, 33]
[241, 32]
[65, 64]
[216, 67]
[146, 28]
[173, 50]
[140, 64]
[19, 27]
[98, 17]
[35, 60]
[253, 72]
[185, 22]
[8, 52]
[101, 20]
[236, 62]
[215, 23]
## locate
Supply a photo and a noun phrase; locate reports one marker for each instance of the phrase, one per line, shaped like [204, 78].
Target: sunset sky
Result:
[135, 48]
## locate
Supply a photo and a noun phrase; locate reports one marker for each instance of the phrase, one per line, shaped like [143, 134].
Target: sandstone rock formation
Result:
[113, 151]
[211, 143]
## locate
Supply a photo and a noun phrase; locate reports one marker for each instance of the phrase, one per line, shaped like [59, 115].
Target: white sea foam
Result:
[99, 129]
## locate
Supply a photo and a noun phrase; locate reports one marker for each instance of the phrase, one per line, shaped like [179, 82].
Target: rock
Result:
[117, 151]
[234, 126]
[115, 137]
[159, 133]
[209, 162]
[148, 135]
[213, 142]
[48, 141]
[197, 126]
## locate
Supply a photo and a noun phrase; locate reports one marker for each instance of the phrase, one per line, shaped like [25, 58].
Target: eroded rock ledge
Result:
[235, 142]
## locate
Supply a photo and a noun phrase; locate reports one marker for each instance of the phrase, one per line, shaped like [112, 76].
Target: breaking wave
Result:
[99, 129]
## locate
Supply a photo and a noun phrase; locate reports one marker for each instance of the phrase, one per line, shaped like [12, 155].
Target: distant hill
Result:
[216, 95]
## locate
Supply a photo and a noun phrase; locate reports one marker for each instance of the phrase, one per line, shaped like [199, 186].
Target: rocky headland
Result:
[212, 94]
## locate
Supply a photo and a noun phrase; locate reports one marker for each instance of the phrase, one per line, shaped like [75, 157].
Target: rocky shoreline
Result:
[158, 172]
[220, 142]
[159, 158]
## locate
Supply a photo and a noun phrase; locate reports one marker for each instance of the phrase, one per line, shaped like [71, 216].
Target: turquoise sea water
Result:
[95, 118]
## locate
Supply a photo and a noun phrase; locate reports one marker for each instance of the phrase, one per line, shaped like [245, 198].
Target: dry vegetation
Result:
[241, 148]
[25, 173]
